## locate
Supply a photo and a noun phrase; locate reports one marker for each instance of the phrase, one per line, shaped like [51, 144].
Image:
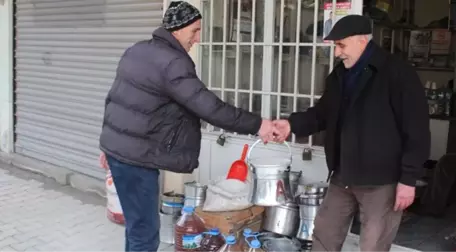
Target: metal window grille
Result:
[265, 55]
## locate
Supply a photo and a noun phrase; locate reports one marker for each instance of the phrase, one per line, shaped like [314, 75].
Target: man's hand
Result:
[282, 130]
[266, 132]
[405, 195]
[103, 161]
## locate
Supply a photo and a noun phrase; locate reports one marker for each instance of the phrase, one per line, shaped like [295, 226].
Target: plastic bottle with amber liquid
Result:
[212, 240]
[188, 231]
[230, 245]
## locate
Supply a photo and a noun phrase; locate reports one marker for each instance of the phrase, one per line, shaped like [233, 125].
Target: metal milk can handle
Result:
[259, 141]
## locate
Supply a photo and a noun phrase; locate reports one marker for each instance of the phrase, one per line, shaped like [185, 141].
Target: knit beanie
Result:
[179, 15]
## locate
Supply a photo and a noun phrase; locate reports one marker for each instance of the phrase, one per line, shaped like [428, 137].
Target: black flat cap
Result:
[349, 26]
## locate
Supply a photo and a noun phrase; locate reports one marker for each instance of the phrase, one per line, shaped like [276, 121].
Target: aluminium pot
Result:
[283, 219]
[195, 194]
[194, 190]
[172, 203]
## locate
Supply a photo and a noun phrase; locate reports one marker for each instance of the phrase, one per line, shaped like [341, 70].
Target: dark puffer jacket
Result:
[153, 110]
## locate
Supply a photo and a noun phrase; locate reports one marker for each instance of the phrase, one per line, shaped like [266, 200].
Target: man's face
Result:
[189, 35]
[350, 49]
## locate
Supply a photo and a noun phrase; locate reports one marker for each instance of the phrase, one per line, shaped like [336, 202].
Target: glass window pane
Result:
[246, 16]
[322, 66]
[307, 21]
[288, 67]
[218, 18]
[258, 68]
[244, 100]
[243, 68]
[256, 104]
[290, 21]
[205, 21]
[204, 64]
[245, 53]
[286, 106]
[230, 66]
[249, 10]
[217, 66]
[305, 70]
[211, 70]
[273, 106]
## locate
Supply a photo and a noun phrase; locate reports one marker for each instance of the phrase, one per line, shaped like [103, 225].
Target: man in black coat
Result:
[375, 115]
[152, 120]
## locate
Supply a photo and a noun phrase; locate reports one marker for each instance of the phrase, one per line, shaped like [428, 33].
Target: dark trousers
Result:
[379, 221]
[138, 192]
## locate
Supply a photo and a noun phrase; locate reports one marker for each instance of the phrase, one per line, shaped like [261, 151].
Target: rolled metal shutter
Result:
[66, 56]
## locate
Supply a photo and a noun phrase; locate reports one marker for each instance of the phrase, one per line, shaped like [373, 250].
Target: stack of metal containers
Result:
[195, 194]
[290, 204]
[172, 204]
[170, 211]
[309, 198]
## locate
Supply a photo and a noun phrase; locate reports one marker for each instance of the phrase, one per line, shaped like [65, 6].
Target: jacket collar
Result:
[375, 61]
[166, 37]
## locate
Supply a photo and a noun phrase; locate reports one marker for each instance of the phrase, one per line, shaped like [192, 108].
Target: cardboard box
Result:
[233, 222]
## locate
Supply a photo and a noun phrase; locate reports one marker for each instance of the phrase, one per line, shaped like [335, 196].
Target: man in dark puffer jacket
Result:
[152, 120]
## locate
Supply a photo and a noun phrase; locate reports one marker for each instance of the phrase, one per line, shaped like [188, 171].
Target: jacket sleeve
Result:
[183, 86]
[412, 114]
[311, 121]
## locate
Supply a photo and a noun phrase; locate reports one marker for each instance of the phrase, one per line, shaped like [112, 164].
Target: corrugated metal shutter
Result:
[66, 56]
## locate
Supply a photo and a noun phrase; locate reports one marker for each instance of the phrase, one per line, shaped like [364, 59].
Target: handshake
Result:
[274, 130]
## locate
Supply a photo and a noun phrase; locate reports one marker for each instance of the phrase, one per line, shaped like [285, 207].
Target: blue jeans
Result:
[138, 191]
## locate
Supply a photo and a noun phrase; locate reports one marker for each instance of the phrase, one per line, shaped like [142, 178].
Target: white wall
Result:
[6, 76]
[215, 160]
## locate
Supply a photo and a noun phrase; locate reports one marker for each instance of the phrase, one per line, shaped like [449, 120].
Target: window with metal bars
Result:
[265, 56]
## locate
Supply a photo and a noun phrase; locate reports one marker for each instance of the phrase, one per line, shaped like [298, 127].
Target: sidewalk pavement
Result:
[39, 214]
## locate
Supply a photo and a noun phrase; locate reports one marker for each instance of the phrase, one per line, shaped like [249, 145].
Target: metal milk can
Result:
[271, 179]
[309, 202]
